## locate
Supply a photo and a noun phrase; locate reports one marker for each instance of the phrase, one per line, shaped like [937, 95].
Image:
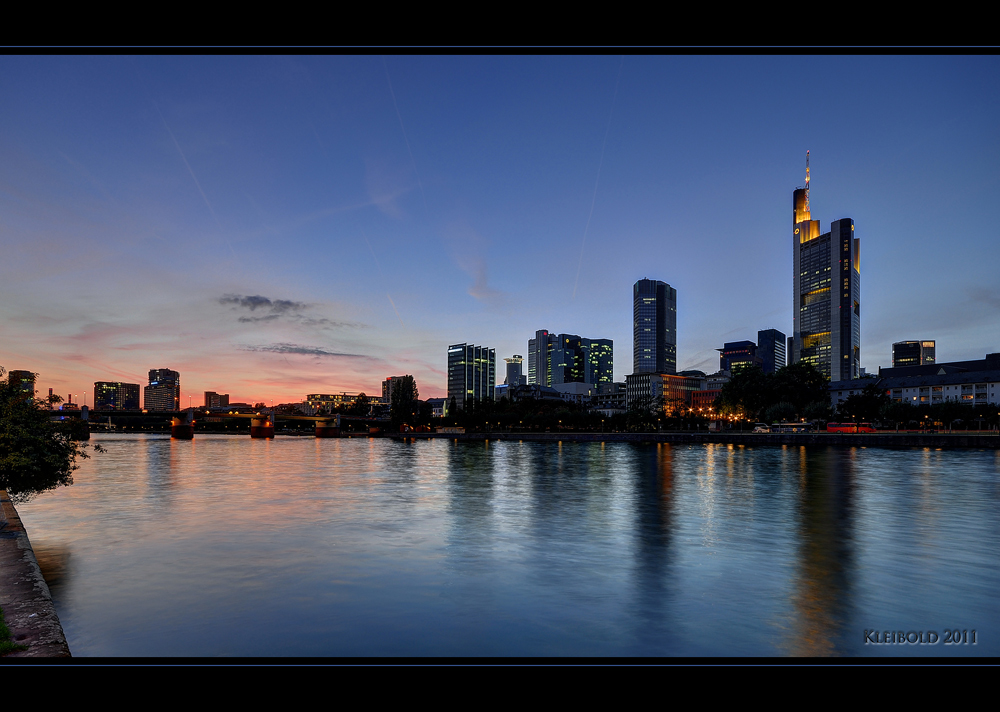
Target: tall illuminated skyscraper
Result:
[654, 327]
[826, 313]
[163, 391]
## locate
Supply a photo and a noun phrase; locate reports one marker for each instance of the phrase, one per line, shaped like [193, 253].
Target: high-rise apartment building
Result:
[471, 373]
[912, 353]
[112, 395]
[771, 349]
[539, 358]
[654, 327]
[826, 290]
[163, 391]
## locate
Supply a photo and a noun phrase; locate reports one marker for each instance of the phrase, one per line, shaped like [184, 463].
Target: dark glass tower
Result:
[771, 348]
[472, 373]
[654, 327]
[826, 292]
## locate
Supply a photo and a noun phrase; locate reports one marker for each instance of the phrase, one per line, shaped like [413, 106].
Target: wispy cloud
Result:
[469, 250]
[299, 349]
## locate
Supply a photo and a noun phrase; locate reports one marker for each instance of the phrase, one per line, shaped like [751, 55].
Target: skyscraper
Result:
[163, 391]
[112, 395]
[569, 358]
[654, 327]
[471, 373]
[539, 361]
[771, 348]
[826, 314]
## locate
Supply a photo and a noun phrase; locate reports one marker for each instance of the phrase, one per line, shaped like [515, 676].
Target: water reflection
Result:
[379, 547]
[823, 584]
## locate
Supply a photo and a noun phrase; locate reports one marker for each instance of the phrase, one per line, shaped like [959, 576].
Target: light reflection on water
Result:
[230, 546]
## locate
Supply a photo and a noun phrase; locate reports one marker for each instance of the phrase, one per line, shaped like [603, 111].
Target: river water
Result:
[227, 546]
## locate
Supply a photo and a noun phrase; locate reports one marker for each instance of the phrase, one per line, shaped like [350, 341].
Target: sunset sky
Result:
[276, 226]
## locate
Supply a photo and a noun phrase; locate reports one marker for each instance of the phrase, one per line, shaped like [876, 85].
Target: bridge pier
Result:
[328, 428]
[262, 427]
[181, 429]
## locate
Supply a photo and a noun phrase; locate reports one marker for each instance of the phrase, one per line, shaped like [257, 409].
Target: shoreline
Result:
[24, 596]
[887, 440]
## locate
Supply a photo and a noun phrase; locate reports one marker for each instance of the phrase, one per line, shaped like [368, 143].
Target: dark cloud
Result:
[297, 349]
[276, 306]
[285, 309]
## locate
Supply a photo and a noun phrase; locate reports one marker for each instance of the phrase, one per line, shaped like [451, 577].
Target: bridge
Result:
[182, 423]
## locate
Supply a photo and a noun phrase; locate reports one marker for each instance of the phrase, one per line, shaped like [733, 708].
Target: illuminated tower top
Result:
[807, 182]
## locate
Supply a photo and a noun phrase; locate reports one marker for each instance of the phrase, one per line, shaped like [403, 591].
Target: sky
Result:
[275, 226]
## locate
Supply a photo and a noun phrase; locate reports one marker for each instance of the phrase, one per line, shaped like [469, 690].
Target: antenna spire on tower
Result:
[807, 181]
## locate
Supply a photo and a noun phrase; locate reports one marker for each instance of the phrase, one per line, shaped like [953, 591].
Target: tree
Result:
[401, 399]
[36, 454]
[360, 407]
[866, 405]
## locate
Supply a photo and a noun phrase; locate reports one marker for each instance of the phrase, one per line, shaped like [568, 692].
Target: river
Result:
[227, 546]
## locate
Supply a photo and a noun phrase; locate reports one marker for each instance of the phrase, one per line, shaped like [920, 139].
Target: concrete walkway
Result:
[24, 595]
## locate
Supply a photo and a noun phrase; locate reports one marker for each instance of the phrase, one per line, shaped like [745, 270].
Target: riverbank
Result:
[24, 596]
[893, 440]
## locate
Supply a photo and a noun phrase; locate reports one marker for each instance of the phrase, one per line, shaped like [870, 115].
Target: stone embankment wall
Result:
[936, 440]
[24, 595]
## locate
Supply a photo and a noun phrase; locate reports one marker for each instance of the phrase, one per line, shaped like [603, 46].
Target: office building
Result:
[112, 395]
[912, 353]
[515, 374]
[974, 382]
[826, 291]
[771, 349]
[734, 356]
[164, 390]
[666, 391]
[569, 358]
[23, 381]
[654, 327]
[471, 373]
[539, 351]
[216, 400]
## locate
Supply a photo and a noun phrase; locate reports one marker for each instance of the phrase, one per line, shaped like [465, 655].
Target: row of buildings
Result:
[826, 332]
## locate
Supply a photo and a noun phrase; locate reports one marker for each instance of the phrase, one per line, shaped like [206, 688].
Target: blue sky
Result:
[385, 207]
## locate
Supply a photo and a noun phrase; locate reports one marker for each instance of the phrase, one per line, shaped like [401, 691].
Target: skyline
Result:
[274, 226]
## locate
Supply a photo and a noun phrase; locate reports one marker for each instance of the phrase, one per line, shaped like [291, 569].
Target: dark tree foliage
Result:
[865, 406]
[360, 407]
[403, 400]
[36, 454]
[798, 388]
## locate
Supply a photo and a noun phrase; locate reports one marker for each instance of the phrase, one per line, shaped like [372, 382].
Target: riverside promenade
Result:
[977, 440]
[24, 595]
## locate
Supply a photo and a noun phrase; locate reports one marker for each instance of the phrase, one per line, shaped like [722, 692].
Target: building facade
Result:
[164, 390]
[112, 395]
[771, 349]
[390, 384]
[826, 292]
[654, 327]
[734, 356]
[471, 373]
[216, 400]
[569, 358]
[23, 381]
[913, 353]
[665, 391]
[514, 371]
